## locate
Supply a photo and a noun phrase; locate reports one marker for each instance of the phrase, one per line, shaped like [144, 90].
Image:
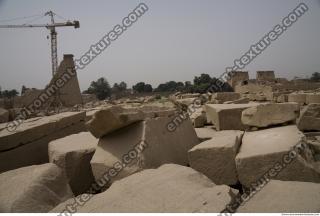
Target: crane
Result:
[53, 33]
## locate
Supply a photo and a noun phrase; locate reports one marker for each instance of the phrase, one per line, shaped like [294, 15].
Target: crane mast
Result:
[53, 35]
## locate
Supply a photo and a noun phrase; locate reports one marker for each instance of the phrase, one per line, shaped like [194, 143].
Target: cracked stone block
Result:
[170, 188]
[279, 152]
[265, 115]
[32, 189]
[227, 116]
[73, 155]
[216, 157]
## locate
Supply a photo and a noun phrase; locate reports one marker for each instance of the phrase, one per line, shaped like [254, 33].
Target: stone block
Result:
[73, 155]
[215, 158]
[227, 116]
[170, 188]
[33, 189]
[265, 115]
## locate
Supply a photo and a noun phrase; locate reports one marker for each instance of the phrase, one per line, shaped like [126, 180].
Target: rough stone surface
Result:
[33, 189]
[205, 133]
[222, 97]
[238, 101]
[262, 150]
[112, 118]
[198, 118]
[313, 98]
[29, 142]
[226, 116]
[298, 98]
[284, 197]
[70, 93]
[73, 155]
[309, 119]
[4, 115]
[156, 146]
[170, 188]
[216, 157]
[265, 115]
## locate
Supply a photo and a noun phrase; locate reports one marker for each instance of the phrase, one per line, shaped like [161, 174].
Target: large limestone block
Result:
[222, 97]
[143, 145]
[309, 119]
[265, 115]
[275, 149]
[216, 157]
[298, 98]
[33, 189]
[313, 98]
[227, 116]
[205, 133]
[36, 128]
[170, 188]
[73, 155]
[284, 197]
[242, 100]
[34, 152]
[112, 118]
[4, 115]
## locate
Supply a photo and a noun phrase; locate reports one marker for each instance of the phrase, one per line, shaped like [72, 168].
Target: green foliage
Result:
[100, 88]
[142, 87]
[315, 77]
[9, 93]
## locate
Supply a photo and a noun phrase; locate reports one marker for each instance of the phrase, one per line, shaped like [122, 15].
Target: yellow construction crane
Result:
[52, 27]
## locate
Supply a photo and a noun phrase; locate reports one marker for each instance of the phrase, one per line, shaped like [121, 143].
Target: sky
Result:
[174, 40]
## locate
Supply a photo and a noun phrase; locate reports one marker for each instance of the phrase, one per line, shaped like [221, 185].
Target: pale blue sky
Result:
[174, 40]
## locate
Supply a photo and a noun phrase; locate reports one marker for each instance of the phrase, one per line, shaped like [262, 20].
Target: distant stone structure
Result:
[265, 76]
[70, 93]
[238, 77]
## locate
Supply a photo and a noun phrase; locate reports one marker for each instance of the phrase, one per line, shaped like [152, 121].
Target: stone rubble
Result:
[174, 153]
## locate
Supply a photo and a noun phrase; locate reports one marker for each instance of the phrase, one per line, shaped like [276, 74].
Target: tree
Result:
[139, 87]
[0, 92]
[148, 88]
[315, 77]
[142, 87]
[115, 89]
[100, 88]
[10, 93]
[122, 86]
[203, 79]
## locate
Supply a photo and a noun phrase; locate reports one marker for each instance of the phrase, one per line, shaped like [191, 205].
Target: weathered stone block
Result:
[227, 116]
[225, 96]
[265, 115]
[216, 157]
[170, 188]
[276, 150]
[205, 133]
[312, 98]
[73, 155]
[33, 189]
[150, 144]
[284, 197]
[309, 119]
[4, 115]
[112, 118]
[298, 98]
